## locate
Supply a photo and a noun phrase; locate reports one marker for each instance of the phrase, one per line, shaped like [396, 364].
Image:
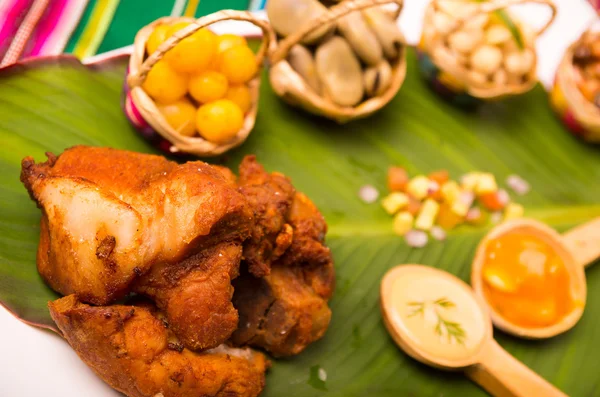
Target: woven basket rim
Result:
[329, 109]
[288, 84]
[488, 91]
[148, 108]
[583, 110]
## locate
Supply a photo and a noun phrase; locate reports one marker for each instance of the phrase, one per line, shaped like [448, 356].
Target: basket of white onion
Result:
[479, 49]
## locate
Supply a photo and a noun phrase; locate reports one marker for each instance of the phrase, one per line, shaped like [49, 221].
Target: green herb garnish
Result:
[510, 24]
[514, 30]
[451, 329]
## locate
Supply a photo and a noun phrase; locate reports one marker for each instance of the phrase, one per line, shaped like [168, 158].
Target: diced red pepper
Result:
[476, 216]
[440, 177]
[494, 201]
[434, 191]
[414, 206]
[397, 179]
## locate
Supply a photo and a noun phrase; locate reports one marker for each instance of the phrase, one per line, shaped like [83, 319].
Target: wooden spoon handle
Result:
[583, 242]
[503, 375]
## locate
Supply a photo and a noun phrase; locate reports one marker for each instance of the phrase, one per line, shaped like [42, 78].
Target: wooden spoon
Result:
[437, 319]
[577, 248]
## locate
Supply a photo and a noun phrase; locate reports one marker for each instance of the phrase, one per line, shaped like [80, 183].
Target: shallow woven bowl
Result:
[446, 69]
[141, 109]
[292, 88]
[580, 116]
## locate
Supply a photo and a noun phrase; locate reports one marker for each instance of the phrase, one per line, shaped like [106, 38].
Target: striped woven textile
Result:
[88, 27]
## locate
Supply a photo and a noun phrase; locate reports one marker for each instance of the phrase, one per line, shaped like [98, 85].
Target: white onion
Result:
[503, 197]
[432, 188]
[438, 233]
[496, 217]
[467, 198]
[322, 374]
[368, 193]
[416, 238]
[473, 214]
[518, 184]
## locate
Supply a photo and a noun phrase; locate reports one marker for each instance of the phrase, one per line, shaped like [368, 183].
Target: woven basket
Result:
[142, 110]
[456, 73]
[580, 115]
[290, 86]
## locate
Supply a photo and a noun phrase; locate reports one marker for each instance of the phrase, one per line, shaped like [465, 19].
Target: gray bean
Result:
[362, 39]
[302, 61]
[288, 16]
[339, 72]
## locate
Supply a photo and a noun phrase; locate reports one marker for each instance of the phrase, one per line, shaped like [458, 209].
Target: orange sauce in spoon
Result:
[526, 281]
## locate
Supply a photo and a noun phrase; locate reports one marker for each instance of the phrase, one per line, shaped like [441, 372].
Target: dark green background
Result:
[132, 15]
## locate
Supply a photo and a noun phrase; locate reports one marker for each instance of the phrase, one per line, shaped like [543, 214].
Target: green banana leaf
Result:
[51, 104]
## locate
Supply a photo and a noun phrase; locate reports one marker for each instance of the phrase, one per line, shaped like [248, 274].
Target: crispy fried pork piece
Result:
[281, 312]
[195, 295]
[109, 215]
[270, 197]
[309, 229]
[133, 351]
[286, 310]
[227, 174]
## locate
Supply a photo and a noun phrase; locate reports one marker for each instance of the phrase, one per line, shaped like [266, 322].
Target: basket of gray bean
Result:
[344, 62]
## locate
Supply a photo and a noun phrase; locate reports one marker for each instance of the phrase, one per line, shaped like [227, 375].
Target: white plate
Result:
[35, 362]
